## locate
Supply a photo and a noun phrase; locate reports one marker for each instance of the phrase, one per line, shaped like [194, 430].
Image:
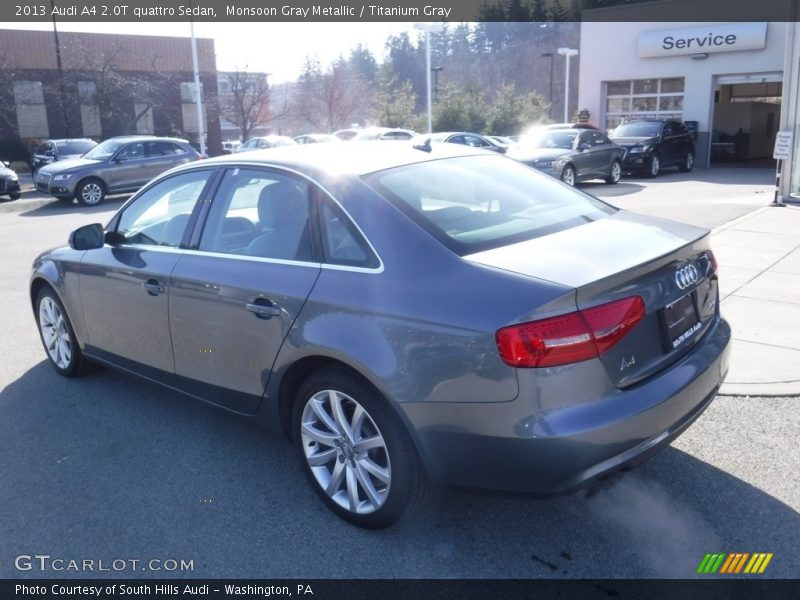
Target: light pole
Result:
[201, 134]
[427, 28]
[567, 53]
[436, 71]
[550, 88]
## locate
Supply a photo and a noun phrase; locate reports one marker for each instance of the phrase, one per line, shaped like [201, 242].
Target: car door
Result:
[124, 287]
[127, 170]
[235, 297]
[670, 144]
[583, 158]
[603, 153]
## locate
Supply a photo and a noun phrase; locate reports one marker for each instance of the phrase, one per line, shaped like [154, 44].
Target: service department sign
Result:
[726, 37]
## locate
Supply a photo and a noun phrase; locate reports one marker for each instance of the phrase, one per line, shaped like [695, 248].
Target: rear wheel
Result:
[355, 450]
[91, 192]
[615, 173]
[688, 162]
[568, 175]
[57, 335]
[15, 196]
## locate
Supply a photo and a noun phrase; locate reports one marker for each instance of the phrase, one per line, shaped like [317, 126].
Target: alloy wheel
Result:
[616, 172]
[345, 452]
[91, 193]
[655, 165]
[568, 176]
[55, 334]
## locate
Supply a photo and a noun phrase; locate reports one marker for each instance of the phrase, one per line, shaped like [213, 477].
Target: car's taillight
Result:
[712, 263]
[569, 338]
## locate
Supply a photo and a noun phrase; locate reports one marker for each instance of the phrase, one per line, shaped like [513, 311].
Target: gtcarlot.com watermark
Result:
[45, 563]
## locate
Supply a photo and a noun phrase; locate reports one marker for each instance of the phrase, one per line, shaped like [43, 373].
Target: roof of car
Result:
[357, 158]
[144, 138]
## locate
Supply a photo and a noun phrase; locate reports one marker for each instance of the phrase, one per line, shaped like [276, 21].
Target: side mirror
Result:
[50, 153]
[88, 237]
[584, 146]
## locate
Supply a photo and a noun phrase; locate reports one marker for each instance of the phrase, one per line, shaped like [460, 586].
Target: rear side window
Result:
[261, 214]
[477, 203]
[341, 244]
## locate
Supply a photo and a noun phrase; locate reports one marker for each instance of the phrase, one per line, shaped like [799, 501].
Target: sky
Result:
[276, 48]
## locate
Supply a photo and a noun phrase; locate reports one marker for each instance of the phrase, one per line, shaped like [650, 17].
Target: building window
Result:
[144, 123]
[90, 114]
[31, 113]
[643, 98]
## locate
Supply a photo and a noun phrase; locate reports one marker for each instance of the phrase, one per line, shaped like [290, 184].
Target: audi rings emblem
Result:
[686, 276]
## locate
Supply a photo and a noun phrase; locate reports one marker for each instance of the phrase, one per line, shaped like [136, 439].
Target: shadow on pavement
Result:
[110, 466]
[619, 189]
[61, 207]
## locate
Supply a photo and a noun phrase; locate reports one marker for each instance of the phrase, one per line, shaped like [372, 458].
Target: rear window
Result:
[476, 203]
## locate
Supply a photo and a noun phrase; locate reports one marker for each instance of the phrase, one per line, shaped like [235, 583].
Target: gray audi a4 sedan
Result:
[404, 312]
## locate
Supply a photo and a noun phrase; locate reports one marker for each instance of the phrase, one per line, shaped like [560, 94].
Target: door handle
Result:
[152, 287]
[263, 308]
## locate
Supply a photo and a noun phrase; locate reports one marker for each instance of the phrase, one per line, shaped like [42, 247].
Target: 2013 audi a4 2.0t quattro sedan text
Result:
[403, 312]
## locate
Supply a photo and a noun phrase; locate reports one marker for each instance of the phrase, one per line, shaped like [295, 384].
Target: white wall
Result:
[609, 51]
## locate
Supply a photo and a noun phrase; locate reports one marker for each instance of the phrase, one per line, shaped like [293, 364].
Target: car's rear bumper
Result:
[546, 444]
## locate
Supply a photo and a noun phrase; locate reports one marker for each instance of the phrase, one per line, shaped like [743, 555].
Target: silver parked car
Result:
[403, 313]
[119, 165]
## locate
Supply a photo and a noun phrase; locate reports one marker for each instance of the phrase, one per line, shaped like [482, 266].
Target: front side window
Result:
[476, 203]
[131, 152]
[159, 216]
[104, 150]
[262, 214]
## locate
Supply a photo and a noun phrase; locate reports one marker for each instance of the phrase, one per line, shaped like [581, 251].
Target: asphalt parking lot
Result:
[111, 467]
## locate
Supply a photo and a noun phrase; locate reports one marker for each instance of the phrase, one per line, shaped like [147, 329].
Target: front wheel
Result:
[91, 192]
[654, 166]
[615, 173]
[57, 335]
[568, 175]
[688, 162]
[15, 196]
[355, 450]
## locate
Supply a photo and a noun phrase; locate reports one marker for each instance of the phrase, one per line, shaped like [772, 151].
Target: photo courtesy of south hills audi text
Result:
[123, 590]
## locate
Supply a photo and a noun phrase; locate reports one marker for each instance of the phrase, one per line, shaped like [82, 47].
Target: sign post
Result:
[781, 152]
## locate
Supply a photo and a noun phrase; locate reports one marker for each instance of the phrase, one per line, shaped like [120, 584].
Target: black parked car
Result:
[51, 151]
[652, 144]
[571, 155]
[9, 182]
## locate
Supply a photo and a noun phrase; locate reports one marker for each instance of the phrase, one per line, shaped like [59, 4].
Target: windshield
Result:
[75, 147]
[637, 129]
[549, 139]
[104, 150]
[475, 203]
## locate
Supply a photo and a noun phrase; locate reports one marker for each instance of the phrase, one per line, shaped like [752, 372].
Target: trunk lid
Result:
[667, 263]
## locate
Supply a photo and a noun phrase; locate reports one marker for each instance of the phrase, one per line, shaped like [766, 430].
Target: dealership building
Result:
[735, 84]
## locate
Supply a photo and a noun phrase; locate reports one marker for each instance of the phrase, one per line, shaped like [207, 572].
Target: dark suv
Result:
[51, 151]
[652, 144]
[118, 165]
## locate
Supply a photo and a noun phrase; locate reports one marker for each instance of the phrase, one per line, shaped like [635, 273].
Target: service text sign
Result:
[725, 37]
[783, 145]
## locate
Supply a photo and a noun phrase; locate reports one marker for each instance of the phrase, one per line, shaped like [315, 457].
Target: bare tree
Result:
[245, 101]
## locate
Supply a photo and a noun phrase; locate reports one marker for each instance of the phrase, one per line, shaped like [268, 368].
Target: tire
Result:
[653, 167]
[370, 486]
[15, 196]
[57, 335]
[90, 192]
[688, 162]
[568, 175]
[615, 173]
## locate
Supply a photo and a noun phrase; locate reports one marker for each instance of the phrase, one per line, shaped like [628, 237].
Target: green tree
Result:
[396, 105]
[460, 108]
[511, 112]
